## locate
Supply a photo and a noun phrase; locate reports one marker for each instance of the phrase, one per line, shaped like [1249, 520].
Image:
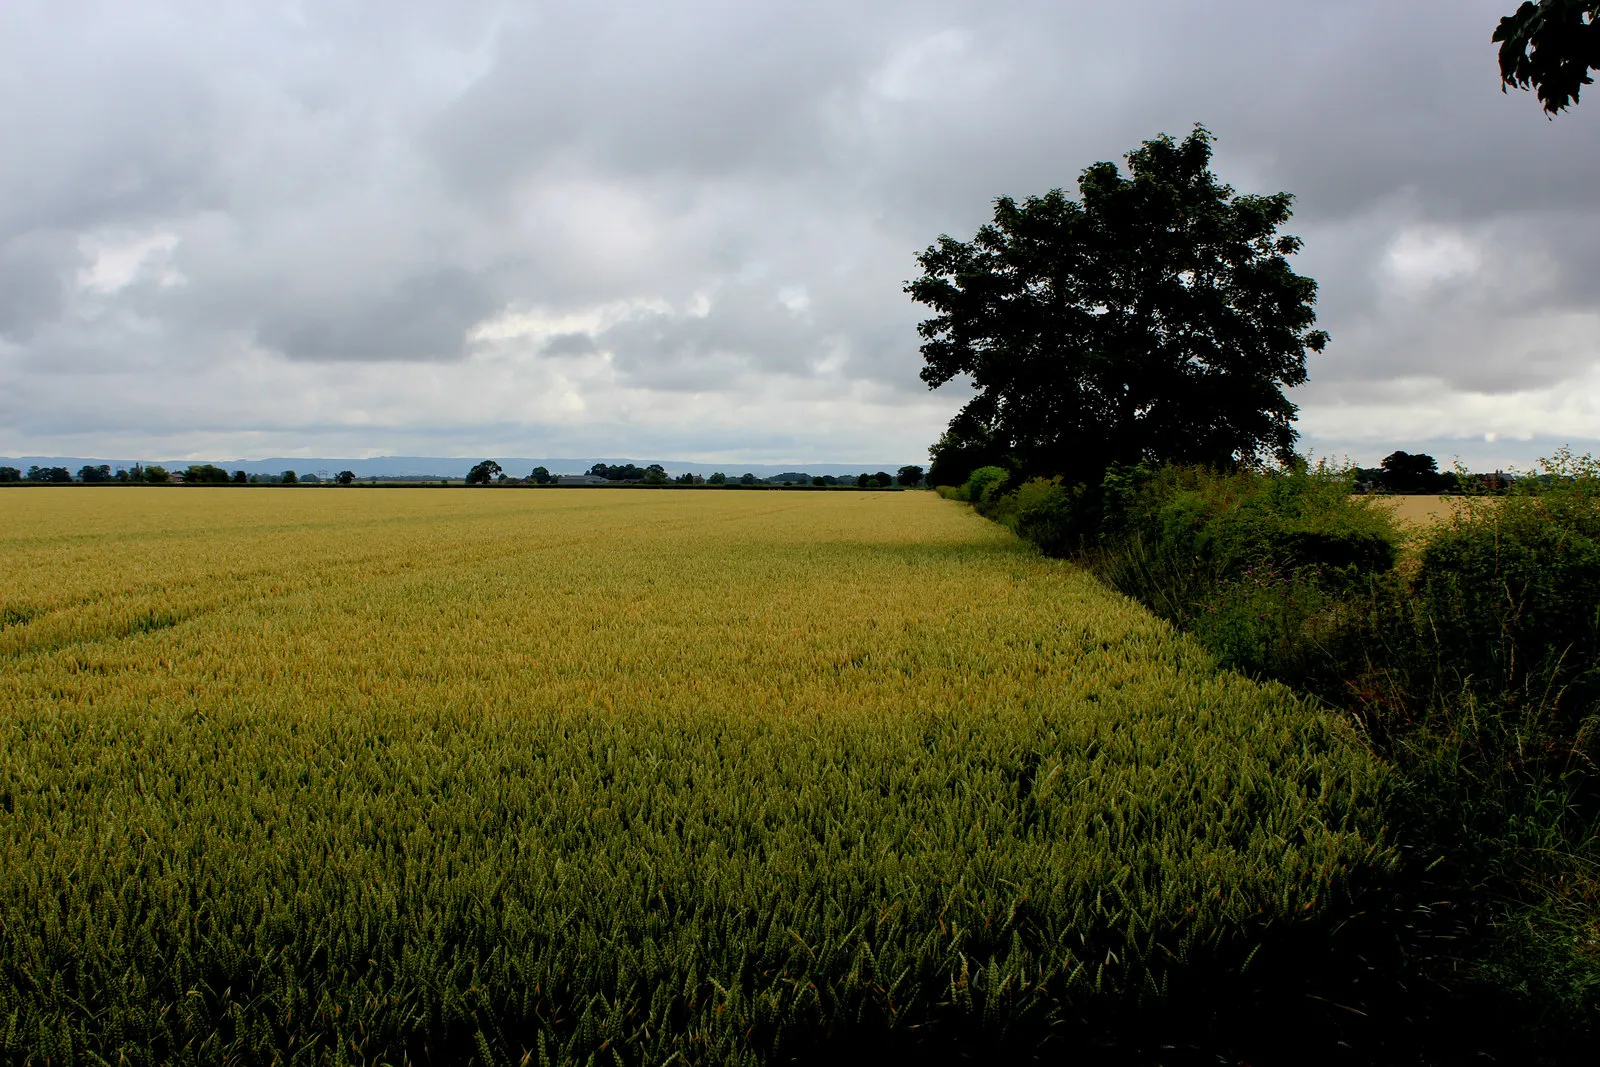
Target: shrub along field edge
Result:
[1467, 651]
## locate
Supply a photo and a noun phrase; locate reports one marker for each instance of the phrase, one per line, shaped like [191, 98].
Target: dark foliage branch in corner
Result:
[1550, 47]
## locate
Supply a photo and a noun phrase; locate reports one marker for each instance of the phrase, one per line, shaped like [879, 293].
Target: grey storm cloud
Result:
[602, 204]
[661, 88]
[570, 344]
[425, 316]
[33, 268]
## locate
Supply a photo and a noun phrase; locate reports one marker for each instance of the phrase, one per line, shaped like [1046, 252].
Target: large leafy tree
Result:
[1155, 318]
[483, 473]
[1550, 47]
[205, 474]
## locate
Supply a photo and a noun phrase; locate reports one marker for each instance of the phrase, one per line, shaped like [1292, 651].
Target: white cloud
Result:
[117, 261]
[537, 326]
[1425, 257]
[931, 68]
[795, 299]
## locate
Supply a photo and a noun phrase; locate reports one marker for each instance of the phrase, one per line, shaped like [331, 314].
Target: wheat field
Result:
[1421, 512]
[515, 776]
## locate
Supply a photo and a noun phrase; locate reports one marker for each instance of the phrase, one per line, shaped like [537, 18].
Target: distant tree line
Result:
[654, 474]
[490, 472]
[1419, 473]
[486, 472]
[155, 474]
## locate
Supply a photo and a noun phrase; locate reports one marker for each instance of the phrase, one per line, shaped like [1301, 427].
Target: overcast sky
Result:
[674, 229]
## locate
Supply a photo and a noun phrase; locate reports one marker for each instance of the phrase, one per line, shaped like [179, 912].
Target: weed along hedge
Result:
[738, 778]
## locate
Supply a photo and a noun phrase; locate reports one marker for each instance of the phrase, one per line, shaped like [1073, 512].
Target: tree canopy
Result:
[1155, 318]
[627, 472]
[483, 473]
[60, 475]
[1550, 46]
[1405, 472]
[205, 474]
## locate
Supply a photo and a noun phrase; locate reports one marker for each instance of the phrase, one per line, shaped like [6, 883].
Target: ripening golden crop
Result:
[370, 775]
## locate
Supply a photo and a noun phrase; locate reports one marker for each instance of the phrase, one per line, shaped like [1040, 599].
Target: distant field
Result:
[1421, 511]
[451, 776]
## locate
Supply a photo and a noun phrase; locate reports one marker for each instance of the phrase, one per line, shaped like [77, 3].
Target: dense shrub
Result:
[1255, 563]
[1044, 514]
[1473, 668]
[1293, 518]
[986, 484]
[1249, 559]
[1514, 590]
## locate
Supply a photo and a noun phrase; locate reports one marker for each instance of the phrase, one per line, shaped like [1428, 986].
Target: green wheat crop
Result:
[327, 776]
